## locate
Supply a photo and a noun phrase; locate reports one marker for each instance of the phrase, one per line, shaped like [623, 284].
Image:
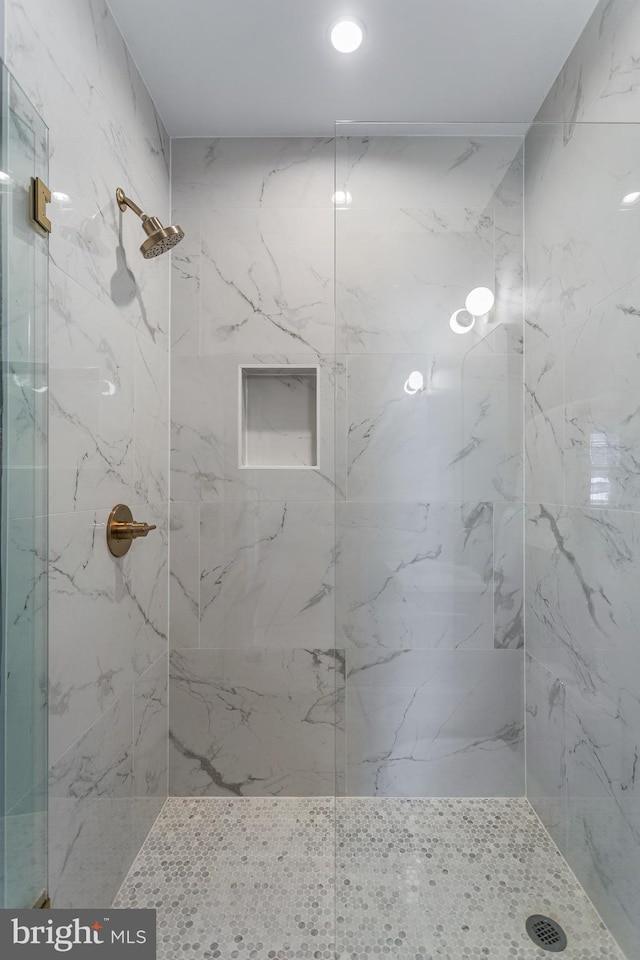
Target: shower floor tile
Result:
[274, 879]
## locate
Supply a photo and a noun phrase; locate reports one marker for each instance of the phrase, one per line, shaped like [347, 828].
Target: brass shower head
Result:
[159, 238]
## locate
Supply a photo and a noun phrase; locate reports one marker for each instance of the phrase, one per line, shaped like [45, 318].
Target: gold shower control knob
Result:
[122, 529]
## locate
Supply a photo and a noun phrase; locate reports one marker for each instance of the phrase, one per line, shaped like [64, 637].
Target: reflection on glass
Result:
[604, 452]
[462, 321]
[414, 383]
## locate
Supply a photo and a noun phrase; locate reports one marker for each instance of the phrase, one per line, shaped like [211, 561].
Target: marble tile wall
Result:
[109, 422]
[355, 627]
[582, 369]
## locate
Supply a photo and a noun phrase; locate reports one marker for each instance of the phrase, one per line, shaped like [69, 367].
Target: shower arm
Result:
[124, 202]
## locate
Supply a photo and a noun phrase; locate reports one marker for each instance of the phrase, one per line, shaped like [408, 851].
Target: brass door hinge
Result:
[40, 197]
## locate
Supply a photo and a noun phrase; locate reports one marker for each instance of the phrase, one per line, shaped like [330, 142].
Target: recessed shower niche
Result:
[278, 417]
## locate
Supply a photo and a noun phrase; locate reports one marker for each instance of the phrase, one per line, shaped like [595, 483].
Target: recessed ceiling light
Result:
[631, 198]
[346, 35]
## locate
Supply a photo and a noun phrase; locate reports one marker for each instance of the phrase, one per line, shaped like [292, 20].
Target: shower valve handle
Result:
[130, 530]
[122, 529]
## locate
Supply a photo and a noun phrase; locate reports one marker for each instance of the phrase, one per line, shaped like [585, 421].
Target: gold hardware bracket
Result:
[40, 197]
[122, 529]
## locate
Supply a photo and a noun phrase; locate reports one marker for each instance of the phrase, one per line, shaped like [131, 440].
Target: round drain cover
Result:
[546, 933]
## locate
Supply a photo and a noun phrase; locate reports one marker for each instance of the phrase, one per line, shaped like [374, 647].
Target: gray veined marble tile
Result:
[254, 723]
[414, 575]
[400, 274]
[198, 407]
[267, 575]
[265, 172]
[546, 749]
[142, 588]
[91, 812]
[544, 421]
[151, 421]
[582, 609]
[424, 170]
[185, 277]
[508, 575]
[458, 439]
[435, 723]
[603, 808]
[602, 446]
[580, 237]
[267, 281]
[121, 605]
[184, 578]
[91, 448]
[150, 733]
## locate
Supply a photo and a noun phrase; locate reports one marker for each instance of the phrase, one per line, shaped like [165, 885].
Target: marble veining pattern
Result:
[582, 546]
[255, 722]
[346, 879]
[109, 438]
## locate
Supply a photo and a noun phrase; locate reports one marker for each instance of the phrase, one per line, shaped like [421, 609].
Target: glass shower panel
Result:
[23, 528]
[429, 516]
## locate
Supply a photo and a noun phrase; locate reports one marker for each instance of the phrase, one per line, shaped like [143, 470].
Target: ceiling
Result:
[237, 68]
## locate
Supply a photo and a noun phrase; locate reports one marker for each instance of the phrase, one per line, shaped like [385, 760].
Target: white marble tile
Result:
[401, 273]
[253, 723]
[544, 420]
[546, 749]
[507, 318]
[25, 393]
[198, 408]
[265, 172]
[91, 812]
[108, 618]
[580, 236]
[603, 853]
[267, 575]
[24, 847]
[211, 559]
[103, 130]
[91, 455]
[435, 723]
[267, 281]
[185, 277]
[459, 438]
[145, 579]
[424, 171]
[151, 421]
[414, 575]
[508, 575]
[602, 445]
[150, 746]
[24, 656]
[582, 606]
[184, 580]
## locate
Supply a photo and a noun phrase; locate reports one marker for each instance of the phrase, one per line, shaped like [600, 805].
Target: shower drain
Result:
[546, 933]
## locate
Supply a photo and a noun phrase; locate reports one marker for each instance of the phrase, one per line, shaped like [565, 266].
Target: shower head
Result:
[159, 238]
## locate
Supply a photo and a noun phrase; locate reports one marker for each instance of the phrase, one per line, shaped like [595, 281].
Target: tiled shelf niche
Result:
[278, 417]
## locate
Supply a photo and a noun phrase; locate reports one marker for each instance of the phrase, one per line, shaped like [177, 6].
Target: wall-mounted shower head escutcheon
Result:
[122, 529]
